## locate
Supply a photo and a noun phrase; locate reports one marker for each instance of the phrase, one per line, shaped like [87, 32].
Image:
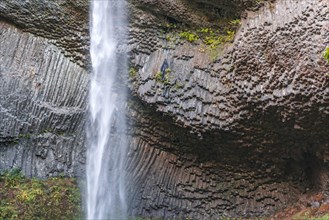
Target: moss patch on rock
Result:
[53, 198]
[326, 54]
[212, 38]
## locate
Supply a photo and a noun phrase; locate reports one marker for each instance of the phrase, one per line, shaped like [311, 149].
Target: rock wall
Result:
[238, 134]
[42, 106]
[265, 70]
[255, 115]
[63, 22]
[175, 174]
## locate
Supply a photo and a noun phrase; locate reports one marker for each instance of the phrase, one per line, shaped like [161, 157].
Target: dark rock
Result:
[243, 135]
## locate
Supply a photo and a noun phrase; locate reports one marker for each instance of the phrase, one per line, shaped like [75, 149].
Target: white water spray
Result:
[107, 143]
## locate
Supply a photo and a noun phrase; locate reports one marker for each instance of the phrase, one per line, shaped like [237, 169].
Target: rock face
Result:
[238, 133]
[265, 68]
[257, 115]
[63, 22]
[42, 105]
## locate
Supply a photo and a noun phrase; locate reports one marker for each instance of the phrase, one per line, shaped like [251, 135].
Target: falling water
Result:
[107, 144]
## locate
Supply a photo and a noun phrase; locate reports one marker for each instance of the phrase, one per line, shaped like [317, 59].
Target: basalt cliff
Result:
[236, 128]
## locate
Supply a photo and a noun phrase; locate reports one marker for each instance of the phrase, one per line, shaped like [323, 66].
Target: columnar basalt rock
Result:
[258, 110]
[42, 105]
[238, 133]
[218, 176]
[247, 78]
[63, 22]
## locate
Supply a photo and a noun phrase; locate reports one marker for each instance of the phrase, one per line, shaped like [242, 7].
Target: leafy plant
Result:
[158, 76]
[7, 211]
[212, 37]
[235, 22]
[229, 36]
[164, 79]
[168, 37]
[132, 72]
[190, 37]
[23, 198]
[12, 178]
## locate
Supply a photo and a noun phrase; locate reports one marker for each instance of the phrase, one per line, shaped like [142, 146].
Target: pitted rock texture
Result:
[42, 105]
[260, 108]
[266, 66]
[196, 12]
[63, 22]
[176, 175]
[239, 134]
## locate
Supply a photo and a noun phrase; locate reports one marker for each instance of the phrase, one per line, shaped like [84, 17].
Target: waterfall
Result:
[107, 143]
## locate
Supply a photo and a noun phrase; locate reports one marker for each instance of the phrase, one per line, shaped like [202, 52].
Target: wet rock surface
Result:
[239, 134]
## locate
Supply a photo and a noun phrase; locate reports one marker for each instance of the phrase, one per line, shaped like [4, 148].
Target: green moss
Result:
[158, 76]
[259, 1]
[325, 217]
[168, 37]
[132, 72]
[189, 36]
[23, 198]
[213, 38]
[170, 26]
[27, 135]
[166, 80]
[229, 37]
[235, 22]
[179, 85]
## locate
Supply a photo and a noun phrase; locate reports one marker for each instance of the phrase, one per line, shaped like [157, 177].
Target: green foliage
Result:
[229, 37]
[7, 211]
[259, 2]
[170, 26]
[210, 37]
[132, 72]
[325, 217]
[235, 22]
[307, 215]
[179, 85]
[15, 141]
[224, 33]
[12, 178]
[190, 37]
[166, 80]
[168, 37]
[27, 136]
[22, 198]
[158, 76]
[213, 37]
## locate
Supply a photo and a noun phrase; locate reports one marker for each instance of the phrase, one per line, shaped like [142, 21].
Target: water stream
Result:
[107, 143]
